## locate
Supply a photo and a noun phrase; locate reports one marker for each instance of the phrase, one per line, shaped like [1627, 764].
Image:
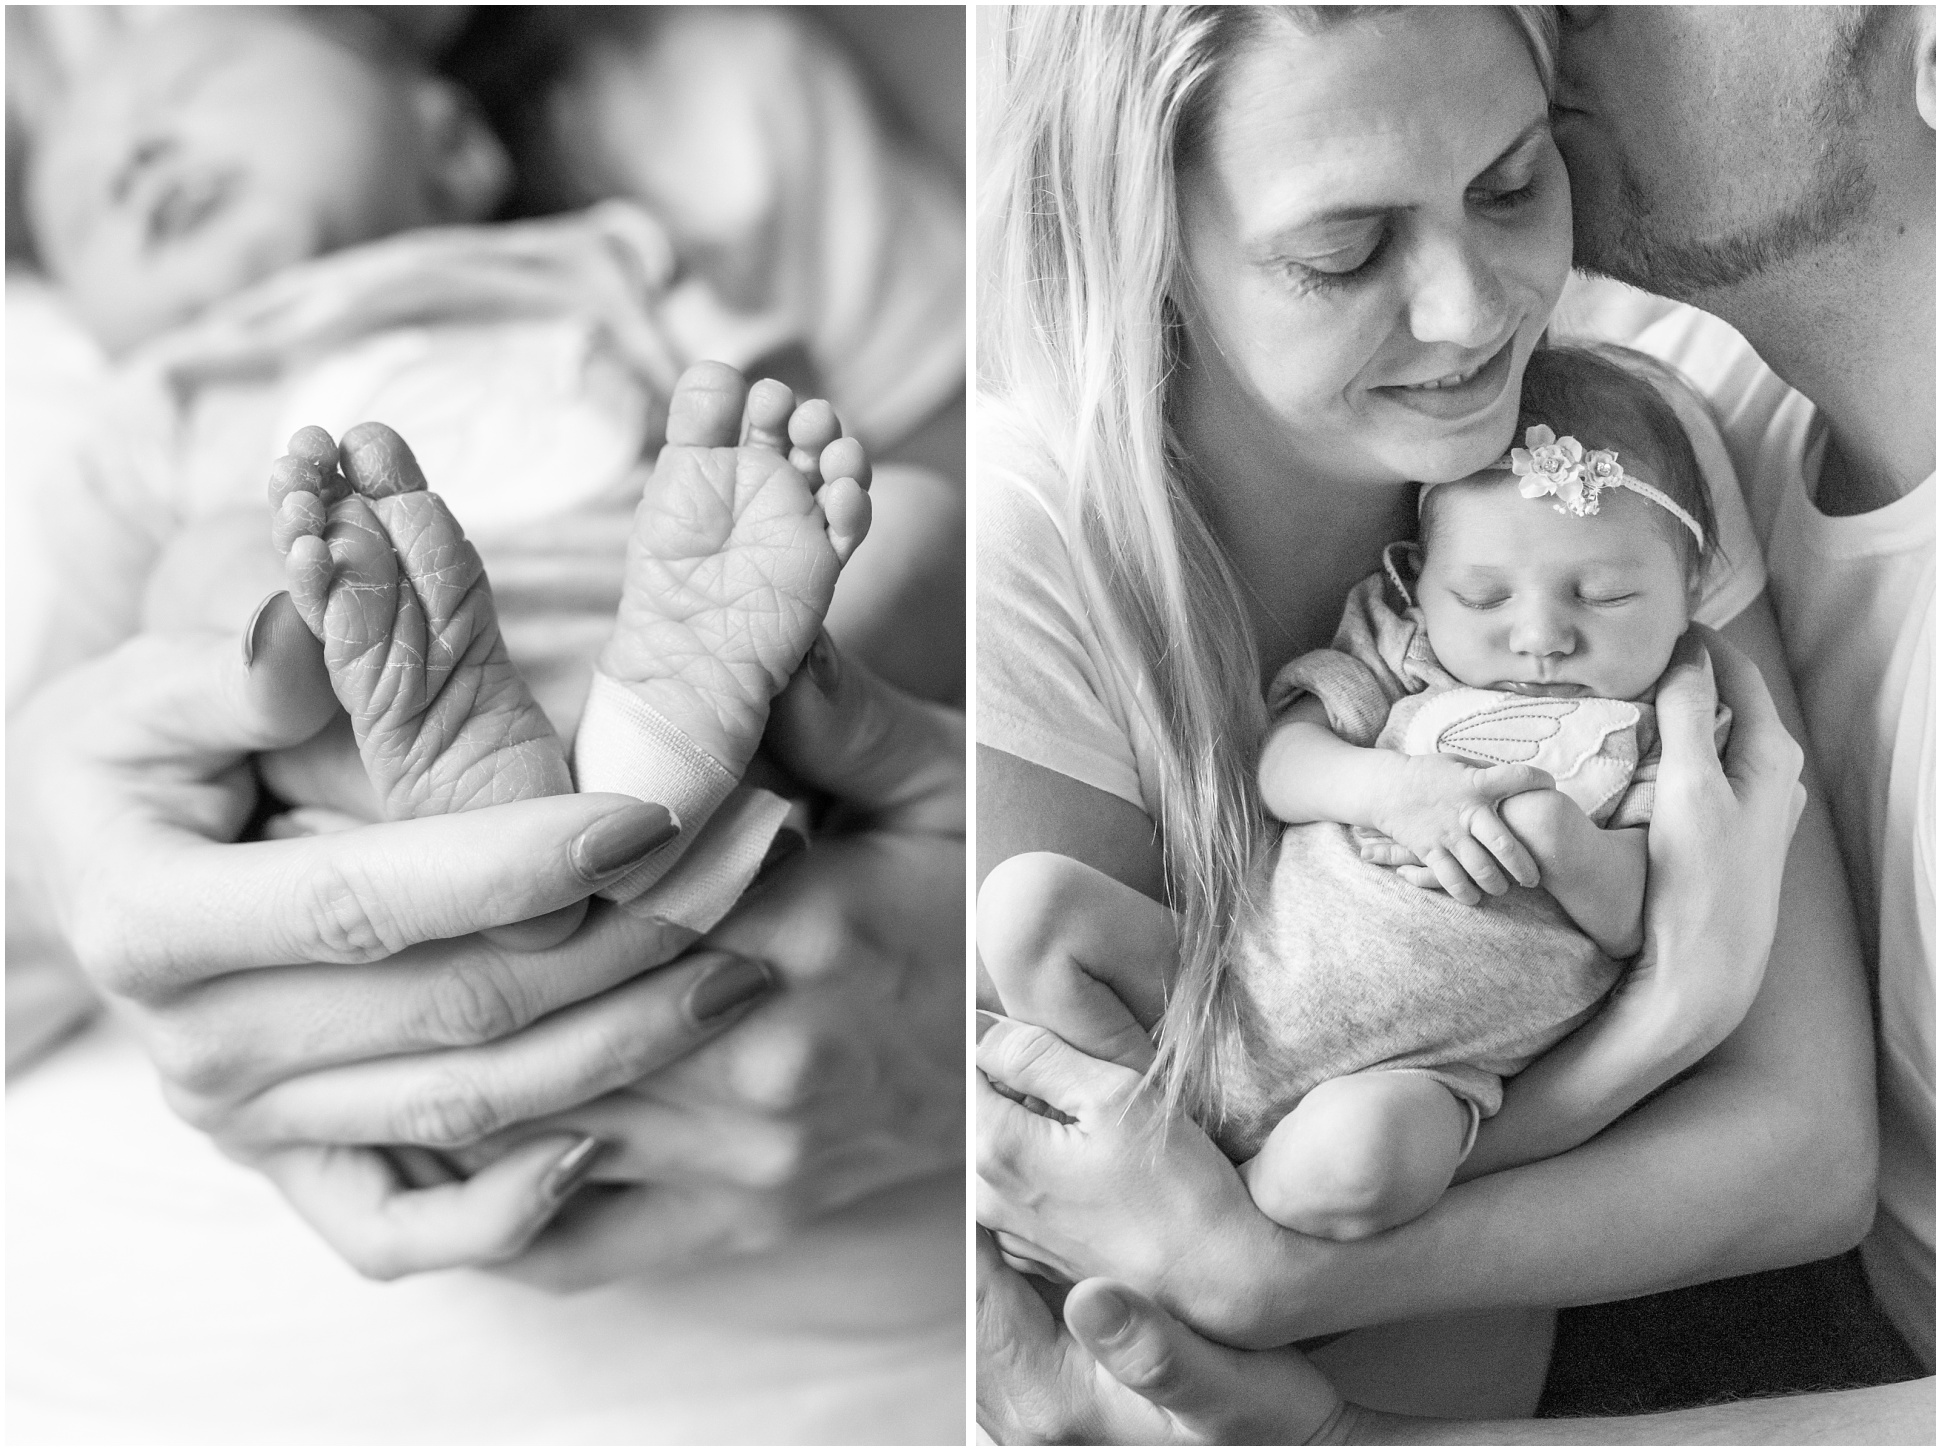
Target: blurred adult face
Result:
[211, 149]
[1374, 231]
[1708, 143]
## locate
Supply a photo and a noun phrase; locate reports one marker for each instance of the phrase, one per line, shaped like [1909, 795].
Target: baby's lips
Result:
[378, 463]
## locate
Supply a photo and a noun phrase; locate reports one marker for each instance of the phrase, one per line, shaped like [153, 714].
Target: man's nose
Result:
[1458, 298]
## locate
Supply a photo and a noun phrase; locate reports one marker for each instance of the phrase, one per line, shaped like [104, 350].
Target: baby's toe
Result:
[770, 402]
[812, 428]
[377, 463]
[300, 515]
[706, 409]
[845, 459]
[846, 507]
[308, 569]
[315, 447]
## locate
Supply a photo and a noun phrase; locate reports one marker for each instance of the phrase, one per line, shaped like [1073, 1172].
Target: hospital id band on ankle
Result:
[723, 861]
[626, 746]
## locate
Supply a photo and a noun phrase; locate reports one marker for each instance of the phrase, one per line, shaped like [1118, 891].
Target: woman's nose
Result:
[1458, 298]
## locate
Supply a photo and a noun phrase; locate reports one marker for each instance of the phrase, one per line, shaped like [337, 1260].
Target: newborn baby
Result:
[1528, 627]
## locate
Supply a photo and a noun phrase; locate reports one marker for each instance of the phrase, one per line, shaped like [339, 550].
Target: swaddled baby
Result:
[1523, 632]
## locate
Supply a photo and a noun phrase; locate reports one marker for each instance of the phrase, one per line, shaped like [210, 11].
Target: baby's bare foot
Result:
[734, 555]
[384, 576]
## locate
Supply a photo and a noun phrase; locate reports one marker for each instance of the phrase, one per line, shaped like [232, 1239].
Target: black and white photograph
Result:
[486, 814]
[1454, 707]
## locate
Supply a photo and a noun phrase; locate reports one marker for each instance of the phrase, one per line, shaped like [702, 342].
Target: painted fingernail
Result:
[732, 983]
[622, 839]
[571, 1170]
[825, 665]
[251, 631]
[986, 1022]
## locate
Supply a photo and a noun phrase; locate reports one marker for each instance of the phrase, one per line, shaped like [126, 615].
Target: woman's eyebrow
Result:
[1539, 126]
[1361, 211]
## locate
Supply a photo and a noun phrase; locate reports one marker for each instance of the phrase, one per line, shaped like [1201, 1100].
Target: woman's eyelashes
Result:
[1341, 266]
[1345, 265]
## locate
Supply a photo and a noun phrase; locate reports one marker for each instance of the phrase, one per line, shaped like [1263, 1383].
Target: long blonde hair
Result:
[1094, 110]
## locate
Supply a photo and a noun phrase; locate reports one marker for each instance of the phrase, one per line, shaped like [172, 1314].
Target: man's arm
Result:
[1133, 1372]
[1890, 1415]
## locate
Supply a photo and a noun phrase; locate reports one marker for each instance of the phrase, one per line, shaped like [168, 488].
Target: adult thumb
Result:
[1216, 1394]
[286, 688]
[841, 728]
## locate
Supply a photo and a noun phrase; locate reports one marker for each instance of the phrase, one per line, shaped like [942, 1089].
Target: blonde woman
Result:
[1250, 275]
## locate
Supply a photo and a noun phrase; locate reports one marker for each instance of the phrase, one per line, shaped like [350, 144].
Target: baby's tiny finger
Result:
[1481, 867]
[1502, 844]
[1420, 878]
[1455, 881]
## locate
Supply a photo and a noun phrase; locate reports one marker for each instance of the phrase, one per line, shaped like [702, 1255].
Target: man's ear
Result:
[1924, 62]
[469, 169]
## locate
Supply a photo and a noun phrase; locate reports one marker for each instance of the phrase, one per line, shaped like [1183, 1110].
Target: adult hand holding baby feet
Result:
[734, 555]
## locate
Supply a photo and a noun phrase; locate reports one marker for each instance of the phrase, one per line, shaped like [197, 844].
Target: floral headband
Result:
[1574, 476]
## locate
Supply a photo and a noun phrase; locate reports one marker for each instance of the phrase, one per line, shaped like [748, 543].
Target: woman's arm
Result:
[1762, 1156]
[1655, 1028]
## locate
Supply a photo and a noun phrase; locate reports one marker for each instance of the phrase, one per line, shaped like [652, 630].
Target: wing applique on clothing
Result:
[1589, 745]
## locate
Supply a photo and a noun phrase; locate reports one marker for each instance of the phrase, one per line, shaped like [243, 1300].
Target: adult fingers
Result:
[1022, 1372]
[354, 896]
[841, 728]
[190, 697]
[1038, 1062]
[222, 1041]
[1217, 1394]
[459, 1096]
[371, 1215]
[1761, 751]
[610, 1232]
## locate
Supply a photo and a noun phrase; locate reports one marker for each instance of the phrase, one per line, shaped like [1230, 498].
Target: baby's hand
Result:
[1443, 812]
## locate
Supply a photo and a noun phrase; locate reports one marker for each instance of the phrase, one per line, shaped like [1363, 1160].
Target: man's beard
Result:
[1635, 246]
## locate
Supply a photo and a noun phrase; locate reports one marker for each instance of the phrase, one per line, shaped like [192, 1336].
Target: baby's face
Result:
[1519, 597]
[214, 147]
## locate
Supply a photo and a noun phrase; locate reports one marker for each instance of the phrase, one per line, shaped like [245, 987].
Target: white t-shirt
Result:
[1854, 596]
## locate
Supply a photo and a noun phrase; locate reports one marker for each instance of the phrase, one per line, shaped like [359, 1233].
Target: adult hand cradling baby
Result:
[1117, 1193]
[304, 998]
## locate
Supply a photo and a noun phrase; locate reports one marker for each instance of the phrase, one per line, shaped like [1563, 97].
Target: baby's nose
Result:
[1541, 631]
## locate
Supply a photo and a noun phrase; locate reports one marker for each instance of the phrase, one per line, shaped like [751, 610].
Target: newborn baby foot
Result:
[381, 572]
[734, 555]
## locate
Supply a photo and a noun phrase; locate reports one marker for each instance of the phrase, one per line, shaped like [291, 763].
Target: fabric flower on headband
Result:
[1562, 468]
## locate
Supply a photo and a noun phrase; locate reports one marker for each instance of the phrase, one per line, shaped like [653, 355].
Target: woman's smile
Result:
[1457, 396]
